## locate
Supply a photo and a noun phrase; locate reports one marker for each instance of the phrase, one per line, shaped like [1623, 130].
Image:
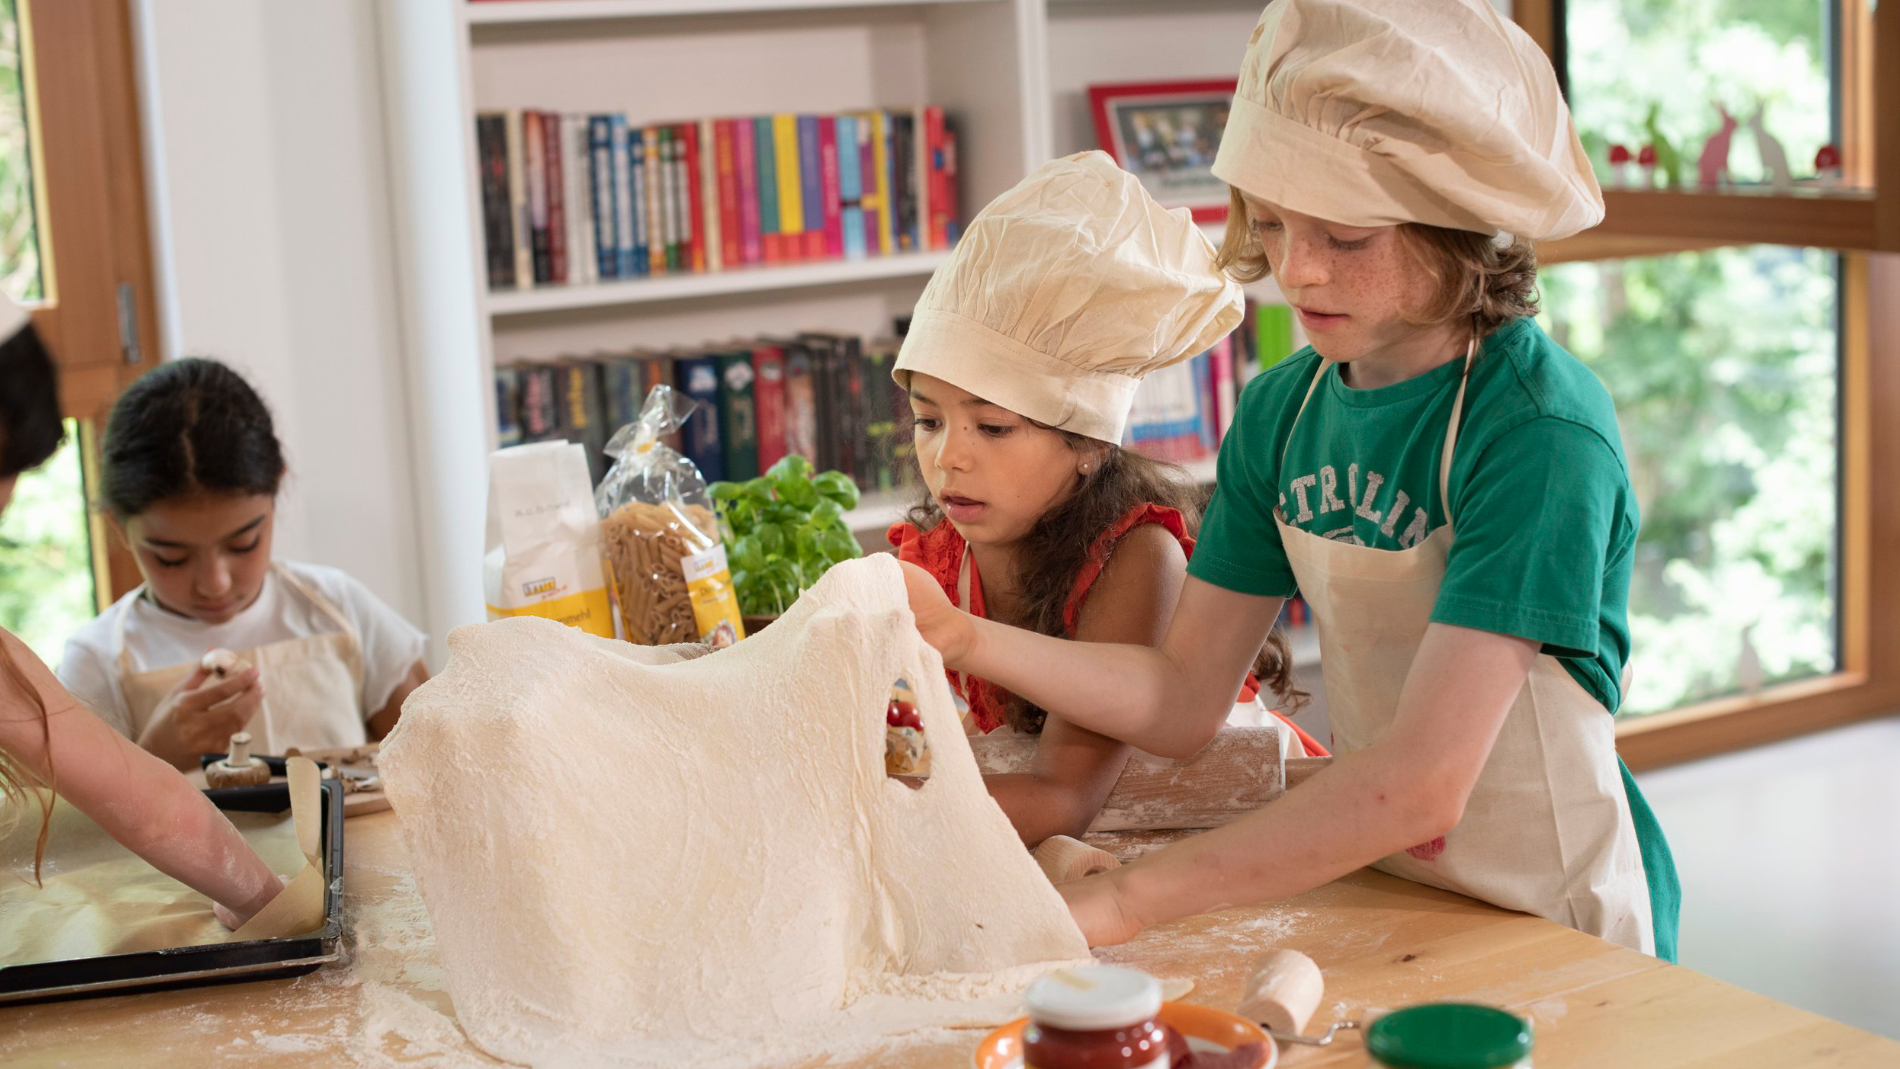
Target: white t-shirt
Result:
[158, 639]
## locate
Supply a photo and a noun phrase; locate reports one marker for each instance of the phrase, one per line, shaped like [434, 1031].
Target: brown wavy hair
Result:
[1476, 279]
[30, 432]
[16, 781]
[1052, 554]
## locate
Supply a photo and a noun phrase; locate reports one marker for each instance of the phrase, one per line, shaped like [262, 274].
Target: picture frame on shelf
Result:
[1166, 134]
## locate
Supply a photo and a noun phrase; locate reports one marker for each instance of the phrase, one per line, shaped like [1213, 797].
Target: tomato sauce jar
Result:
[1095, 1017]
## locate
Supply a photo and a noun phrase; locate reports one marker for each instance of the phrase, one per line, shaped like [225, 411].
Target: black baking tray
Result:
[217, 963]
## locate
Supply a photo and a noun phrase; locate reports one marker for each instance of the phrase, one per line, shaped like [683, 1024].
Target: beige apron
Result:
[314, 684]
[1547, 828]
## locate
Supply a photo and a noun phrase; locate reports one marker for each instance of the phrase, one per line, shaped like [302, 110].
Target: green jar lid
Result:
[1449, 1035]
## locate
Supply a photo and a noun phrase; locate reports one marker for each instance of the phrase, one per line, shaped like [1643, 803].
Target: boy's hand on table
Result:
[947, 628]
[1101, 909]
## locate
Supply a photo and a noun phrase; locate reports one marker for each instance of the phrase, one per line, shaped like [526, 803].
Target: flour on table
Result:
[634, 857]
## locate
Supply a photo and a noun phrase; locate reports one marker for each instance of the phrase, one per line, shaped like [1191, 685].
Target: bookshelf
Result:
[1013, 73]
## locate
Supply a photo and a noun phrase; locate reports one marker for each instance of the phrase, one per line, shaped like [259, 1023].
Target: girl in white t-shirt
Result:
[191, 469]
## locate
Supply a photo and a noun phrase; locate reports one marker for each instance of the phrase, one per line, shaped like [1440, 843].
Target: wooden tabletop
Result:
[1381, 942]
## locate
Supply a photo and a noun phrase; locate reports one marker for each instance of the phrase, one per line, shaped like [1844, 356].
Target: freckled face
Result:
[1350, 286]
[992, 472]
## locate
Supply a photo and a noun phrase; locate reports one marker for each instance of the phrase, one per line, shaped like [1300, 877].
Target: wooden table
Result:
[1382, 942]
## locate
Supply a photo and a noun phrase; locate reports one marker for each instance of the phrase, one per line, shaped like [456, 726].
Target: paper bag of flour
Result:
[543, 538]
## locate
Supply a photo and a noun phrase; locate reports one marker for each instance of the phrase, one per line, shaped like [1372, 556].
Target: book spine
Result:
[850, 189]
[811, 185]
[606, 216]
[739, 420]
[684, 192]
[554, 157]
[692, 201]
[540, 405]
[577, 163]
[725, 161]
[746, 164]
[825, 398]
[880, 427]
[937, 230]
[626, 158]
[535, 146]
[519, 219]
[855, 445]
[667, 256]
[772, 239]
[491, 139]
[801, 403]
[768, 394]
[881, 167]
[507, 407]
[953, 223]
[657, 202]
[830, 190]
[709, 233]
[620, 393]
[904, 180]
[698, 378]
[791, 212]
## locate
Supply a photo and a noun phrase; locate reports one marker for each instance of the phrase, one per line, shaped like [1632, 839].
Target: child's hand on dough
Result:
[942, 624]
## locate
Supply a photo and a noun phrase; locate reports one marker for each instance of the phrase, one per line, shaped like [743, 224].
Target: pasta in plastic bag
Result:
[666, 562]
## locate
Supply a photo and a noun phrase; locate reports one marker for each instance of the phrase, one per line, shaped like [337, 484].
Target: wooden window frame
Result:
[1855, 221]
[99, 315]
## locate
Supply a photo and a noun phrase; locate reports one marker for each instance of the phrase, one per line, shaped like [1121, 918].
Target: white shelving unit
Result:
[1013, 73]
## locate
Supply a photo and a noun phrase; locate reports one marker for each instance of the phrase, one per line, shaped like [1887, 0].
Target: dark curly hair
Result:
[1052, 554]
[1477, 280]
[184, 427]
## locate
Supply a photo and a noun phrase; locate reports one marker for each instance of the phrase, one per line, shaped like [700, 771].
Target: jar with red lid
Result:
[1095, 1017]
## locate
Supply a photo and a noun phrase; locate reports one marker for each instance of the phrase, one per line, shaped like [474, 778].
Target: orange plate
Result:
[1003, 1048]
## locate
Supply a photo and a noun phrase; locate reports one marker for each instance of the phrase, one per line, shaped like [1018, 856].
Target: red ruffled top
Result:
[939, 551]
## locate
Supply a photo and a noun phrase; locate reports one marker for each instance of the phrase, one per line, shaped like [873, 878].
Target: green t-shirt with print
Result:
[1546, 518]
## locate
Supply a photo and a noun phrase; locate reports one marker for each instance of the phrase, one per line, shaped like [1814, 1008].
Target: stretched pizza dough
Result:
[635, 856]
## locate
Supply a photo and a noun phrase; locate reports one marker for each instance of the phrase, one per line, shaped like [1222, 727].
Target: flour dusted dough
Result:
[632, 856]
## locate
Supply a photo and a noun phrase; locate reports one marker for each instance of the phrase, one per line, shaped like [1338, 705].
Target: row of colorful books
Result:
[575, 199]
[830, 397]
[825, 396]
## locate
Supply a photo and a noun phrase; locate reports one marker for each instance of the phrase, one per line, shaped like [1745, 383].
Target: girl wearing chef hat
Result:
[1441, 481]
[1021, 363]
[49, 740]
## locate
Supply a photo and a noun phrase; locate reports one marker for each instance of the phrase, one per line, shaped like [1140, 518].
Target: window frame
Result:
[1854, 222]
[99, 315]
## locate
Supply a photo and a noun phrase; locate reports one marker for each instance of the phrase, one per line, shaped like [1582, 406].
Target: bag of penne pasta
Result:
[666, 564]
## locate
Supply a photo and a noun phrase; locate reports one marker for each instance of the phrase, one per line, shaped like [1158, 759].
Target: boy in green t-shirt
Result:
[1442, 483]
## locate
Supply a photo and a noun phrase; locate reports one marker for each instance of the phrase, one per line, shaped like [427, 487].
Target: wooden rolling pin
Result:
[1238, 772]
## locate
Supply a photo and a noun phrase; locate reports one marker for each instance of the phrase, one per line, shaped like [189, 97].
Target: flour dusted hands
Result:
[200, 715]
[1101, 908]
[948, 629]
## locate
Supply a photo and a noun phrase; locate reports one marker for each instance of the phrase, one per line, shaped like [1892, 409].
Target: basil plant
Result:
[783, 530]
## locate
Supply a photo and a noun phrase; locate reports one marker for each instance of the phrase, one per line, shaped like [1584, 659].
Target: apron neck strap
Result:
[118, 629]
[310, 594]
[1451, 429]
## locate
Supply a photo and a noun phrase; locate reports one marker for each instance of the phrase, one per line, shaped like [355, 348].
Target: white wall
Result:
[270, 195]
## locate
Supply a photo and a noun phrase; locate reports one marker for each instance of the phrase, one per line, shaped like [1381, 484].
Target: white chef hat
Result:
[1375, 112]
[1064, 292]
